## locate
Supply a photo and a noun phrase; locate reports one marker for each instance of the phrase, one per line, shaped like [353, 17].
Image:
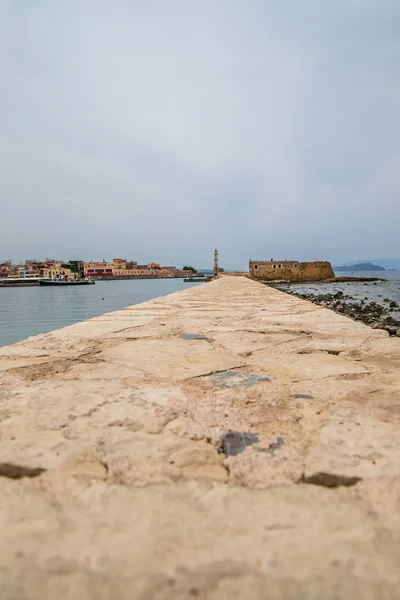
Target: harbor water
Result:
[27, 311]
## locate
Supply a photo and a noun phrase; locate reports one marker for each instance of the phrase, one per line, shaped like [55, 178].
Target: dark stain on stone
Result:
[234, 442]
[330, 480]
[18, 471]
[276, 445]
[303, 396]
[193, 336]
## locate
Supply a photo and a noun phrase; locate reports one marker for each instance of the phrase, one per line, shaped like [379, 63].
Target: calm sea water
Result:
[26, 311]
[376, 291]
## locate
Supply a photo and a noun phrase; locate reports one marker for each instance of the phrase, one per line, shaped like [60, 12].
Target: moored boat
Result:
[197, 278]
[62, 282]
[19, 282]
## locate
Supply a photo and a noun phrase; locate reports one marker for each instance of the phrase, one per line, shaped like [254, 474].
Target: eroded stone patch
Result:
[234, 442]
[232, 379]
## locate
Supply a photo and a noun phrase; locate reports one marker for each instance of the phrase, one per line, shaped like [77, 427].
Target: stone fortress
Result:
[280, 270]
[290, 270]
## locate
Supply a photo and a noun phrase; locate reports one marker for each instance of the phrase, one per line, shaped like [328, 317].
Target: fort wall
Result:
[291, 270]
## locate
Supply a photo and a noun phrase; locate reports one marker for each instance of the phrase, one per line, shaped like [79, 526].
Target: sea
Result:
[375, 291]
[28, 311]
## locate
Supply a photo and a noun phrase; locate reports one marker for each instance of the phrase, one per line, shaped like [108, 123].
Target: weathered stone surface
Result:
[176, 359]
[356, 443]
[112, 479]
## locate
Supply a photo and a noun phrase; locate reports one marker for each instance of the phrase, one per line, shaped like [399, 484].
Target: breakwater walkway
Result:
[227, 441]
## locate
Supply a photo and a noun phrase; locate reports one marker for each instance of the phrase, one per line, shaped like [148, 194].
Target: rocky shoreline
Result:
[352, 279]
[374, 314]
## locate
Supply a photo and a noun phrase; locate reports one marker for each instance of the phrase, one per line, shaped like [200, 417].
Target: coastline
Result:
[15, 282]
[36, 283]
[374, 302]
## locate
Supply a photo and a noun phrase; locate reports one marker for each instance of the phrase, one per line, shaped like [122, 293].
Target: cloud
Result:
[160, 130]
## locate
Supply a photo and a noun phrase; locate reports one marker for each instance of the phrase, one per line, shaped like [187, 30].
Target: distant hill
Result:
[363, 266]
[386, 263]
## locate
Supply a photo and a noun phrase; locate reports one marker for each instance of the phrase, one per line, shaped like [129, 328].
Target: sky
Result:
[162, 129]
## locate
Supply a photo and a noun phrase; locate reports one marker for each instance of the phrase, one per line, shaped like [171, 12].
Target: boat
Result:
[197, 278]
[19, 282]
[63, 282]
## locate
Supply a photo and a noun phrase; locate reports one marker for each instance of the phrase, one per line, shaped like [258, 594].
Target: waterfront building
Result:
[119, 268]
[274, 270]
[123, 268]
[57, 271]
[98, 269]
[120, 264]
[5, 268]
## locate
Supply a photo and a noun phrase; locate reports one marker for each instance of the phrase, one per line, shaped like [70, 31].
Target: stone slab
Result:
[176, 359]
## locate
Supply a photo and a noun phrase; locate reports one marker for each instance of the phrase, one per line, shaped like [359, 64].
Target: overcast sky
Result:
[160, 129]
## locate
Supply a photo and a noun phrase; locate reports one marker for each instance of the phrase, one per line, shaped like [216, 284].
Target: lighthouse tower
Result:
[216, 268]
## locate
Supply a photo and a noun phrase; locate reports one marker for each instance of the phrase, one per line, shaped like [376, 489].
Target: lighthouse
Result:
[216, 268]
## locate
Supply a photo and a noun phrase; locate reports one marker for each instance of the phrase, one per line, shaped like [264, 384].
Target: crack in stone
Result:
[280, 442]
[193, 336]
[330, 480]
[213, 372]
[19, 471]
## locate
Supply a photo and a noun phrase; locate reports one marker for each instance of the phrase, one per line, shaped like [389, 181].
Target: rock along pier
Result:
[227, 441]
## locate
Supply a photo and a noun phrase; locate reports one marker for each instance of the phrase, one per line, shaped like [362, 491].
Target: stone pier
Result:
[226, 442]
